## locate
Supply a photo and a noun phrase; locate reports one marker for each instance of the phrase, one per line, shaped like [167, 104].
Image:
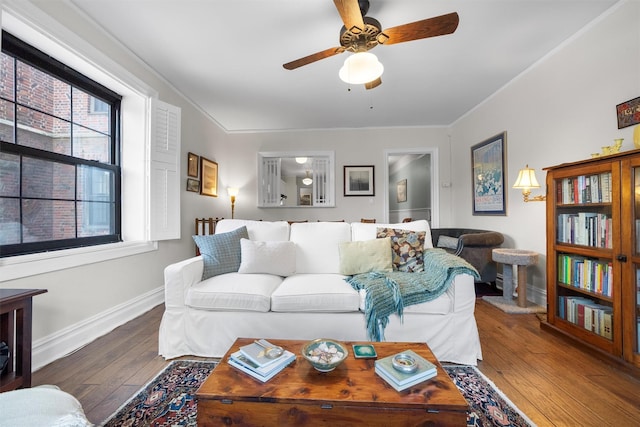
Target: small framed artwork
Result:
[304, 196]
[193, 185]
[209, 179]
[359, 181]
[192, 165]
[628, 113]
[488, 172]
[401, 191]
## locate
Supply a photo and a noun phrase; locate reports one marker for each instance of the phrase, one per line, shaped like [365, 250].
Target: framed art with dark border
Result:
[193, 185]
[192, 165]
[209, 181]
[628, 113]
[488, 171]
[359, 181]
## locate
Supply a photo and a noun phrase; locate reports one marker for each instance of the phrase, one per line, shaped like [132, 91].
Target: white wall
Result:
[560, 110]
[85, 302]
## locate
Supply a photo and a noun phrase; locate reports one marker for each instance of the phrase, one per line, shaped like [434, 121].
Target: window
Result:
[59, 155]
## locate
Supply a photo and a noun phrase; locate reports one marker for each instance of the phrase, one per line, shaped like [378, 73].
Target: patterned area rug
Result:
[169, 399]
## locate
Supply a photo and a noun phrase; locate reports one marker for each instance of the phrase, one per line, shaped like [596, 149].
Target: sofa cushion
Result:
[407, 248]
[315, 292]
[317, 245]
[365, 256]
[447, 242]
[258, 230]
[441, 305]
[220, 252]
[364, 231]
[277, 258]
[233, 292]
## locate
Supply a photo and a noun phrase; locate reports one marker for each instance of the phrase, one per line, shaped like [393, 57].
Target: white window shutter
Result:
[164, 172]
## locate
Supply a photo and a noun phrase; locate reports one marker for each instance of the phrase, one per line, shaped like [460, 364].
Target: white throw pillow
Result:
[365, 256]
[277, 258]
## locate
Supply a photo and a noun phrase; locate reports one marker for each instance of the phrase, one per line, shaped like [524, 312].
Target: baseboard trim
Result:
[70, 339]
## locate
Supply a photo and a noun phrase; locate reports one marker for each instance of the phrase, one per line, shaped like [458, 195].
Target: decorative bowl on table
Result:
[324, 354]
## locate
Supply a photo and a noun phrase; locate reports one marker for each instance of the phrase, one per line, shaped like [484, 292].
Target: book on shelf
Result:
[263, 373]
[401, 380]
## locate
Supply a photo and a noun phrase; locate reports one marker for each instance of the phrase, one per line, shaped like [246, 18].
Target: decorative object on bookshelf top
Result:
[610, 149]
[526, 181]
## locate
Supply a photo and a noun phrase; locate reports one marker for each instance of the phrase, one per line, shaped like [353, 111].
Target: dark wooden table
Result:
[15, 314]
[351, 394]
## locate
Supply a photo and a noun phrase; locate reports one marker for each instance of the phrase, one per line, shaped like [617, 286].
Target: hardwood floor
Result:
[554, 382]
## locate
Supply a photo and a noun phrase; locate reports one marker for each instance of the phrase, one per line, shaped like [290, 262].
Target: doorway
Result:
[411, 185]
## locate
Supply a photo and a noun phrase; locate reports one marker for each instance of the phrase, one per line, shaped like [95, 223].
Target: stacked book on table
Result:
[252, 359]
[401, 380]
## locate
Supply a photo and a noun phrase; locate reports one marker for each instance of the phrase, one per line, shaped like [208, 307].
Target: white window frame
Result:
[31, 25]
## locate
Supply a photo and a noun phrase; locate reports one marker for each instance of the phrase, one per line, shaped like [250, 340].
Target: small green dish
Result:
[364, 351]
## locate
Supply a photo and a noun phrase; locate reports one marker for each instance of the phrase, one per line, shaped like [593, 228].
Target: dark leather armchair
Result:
[474, 246]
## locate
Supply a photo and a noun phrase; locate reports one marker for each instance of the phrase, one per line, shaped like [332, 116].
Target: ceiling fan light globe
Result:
[360, 68]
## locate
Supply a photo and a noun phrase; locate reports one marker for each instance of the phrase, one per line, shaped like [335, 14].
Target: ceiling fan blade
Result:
[374, 83]
[349, 11]
[313, 58]
[431, 27]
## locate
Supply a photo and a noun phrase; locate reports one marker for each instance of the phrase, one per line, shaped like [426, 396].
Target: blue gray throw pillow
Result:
[221, 252]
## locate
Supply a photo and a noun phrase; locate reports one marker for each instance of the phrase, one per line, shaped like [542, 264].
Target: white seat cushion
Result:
[441, 305]
[233, 292]
[315, 292]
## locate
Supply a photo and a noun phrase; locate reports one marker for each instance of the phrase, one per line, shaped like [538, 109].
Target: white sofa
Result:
[203, 318]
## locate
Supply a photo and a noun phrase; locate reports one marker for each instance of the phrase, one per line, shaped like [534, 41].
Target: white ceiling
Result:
[226, 56]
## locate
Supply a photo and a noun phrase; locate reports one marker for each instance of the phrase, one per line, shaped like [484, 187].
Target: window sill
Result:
[30, 265]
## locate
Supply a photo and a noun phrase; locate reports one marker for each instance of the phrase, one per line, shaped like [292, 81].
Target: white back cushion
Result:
[367, 231]
[317, 245]
[258, 230]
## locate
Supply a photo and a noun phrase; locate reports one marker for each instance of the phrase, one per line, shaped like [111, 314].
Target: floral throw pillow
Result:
[407, 248]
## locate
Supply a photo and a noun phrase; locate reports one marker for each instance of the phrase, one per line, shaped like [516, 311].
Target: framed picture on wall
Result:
[209, 181]
[193, 185]
[359, 181]
[488, 171]
[401, 191]
[192, 165]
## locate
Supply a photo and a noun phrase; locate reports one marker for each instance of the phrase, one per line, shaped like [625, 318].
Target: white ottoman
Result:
[45, 405]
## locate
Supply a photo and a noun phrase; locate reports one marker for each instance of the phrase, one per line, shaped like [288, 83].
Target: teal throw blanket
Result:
[390, 292]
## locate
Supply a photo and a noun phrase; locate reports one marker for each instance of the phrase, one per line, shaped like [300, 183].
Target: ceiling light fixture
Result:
[301, 160]
[307, 180]
[360, 68]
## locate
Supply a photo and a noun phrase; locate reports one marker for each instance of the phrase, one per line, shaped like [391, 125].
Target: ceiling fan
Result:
[362, 33]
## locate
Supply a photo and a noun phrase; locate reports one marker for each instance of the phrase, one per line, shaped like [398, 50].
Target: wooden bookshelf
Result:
[593, 253]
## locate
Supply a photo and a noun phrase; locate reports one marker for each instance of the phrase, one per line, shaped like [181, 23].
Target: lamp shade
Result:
[233, 192]
[526, 179]
[360, 68]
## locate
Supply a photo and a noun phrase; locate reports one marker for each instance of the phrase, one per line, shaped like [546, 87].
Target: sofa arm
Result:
[463, 293]
[178, 278]
[488, 238]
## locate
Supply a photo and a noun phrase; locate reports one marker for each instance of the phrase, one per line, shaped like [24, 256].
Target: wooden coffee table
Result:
[351, 394]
